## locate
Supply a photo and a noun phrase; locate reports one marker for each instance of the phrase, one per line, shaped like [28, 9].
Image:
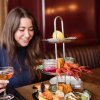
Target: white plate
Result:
[84, 94]
[52, 40]
[69, 80]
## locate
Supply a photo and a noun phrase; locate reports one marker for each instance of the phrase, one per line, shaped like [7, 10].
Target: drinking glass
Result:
[5, 74]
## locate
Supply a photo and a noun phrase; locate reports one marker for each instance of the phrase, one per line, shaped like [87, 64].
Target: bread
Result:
[66, 88]
[47, 95]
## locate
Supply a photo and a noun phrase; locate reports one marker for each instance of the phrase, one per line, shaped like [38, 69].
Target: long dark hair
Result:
[7, 41]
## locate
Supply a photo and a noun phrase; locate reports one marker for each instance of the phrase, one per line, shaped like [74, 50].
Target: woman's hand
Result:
[3, 84]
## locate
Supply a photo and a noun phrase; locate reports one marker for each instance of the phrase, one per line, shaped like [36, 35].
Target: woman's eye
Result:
[21, 30]
[31, 29]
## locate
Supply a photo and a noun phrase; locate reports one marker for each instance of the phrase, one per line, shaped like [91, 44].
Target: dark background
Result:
[81, 18]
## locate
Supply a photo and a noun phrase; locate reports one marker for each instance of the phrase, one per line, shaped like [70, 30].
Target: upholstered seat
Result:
[85, 55]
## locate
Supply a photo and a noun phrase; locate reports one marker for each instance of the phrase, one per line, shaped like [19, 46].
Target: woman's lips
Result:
[26, 41]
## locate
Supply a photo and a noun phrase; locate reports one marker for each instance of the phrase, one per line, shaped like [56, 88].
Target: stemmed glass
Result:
[5, 74]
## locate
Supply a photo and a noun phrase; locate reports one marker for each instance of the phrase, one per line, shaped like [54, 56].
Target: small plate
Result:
[67, 40]
[49, 73]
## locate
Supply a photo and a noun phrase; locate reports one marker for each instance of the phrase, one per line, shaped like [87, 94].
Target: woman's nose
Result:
[27, 33]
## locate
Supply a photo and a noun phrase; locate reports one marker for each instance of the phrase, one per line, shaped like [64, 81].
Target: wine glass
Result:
[5, 74]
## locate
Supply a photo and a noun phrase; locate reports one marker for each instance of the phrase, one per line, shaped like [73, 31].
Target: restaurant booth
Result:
[81, 19]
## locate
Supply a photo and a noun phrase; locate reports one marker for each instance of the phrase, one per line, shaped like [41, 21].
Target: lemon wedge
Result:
[58, 35]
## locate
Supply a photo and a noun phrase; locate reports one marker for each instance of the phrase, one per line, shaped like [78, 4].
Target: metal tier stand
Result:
[56, 35]
[55, 41]
[62, 27]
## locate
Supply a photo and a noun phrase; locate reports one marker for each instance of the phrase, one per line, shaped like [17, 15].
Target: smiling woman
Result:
[25, 32]
[19, 47]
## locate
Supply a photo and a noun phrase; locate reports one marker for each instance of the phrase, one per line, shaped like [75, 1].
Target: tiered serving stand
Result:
[55, 41]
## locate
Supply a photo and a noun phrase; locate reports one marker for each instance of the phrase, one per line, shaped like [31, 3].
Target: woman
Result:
[19, 47]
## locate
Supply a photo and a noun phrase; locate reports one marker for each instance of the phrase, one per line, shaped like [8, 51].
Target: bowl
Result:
[49, 65]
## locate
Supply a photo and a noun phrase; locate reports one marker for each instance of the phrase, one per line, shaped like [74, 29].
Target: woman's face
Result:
[24, 33]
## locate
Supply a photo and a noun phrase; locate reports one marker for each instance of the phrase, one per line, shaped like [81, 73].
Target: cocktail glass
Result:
[5, 74]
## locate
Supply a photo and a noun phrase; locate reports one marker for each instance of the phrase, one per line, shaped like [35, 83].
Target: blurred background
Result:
[81, 18]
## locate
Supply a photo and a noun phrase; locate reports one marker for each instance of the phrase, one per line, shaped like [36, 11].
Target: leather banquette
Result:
[84, 55]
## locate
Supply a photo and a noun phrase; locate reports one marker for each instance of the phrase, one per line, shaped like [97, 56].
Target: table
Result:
[91, 83]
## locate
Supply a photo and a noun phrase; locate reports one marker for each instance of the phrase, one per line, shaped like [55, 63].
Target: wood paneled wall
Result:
[80, 17]
[34, 6]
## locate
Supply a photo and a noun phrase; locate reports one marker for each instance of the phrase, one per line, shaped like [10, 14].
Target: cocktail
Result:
[5, 74]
